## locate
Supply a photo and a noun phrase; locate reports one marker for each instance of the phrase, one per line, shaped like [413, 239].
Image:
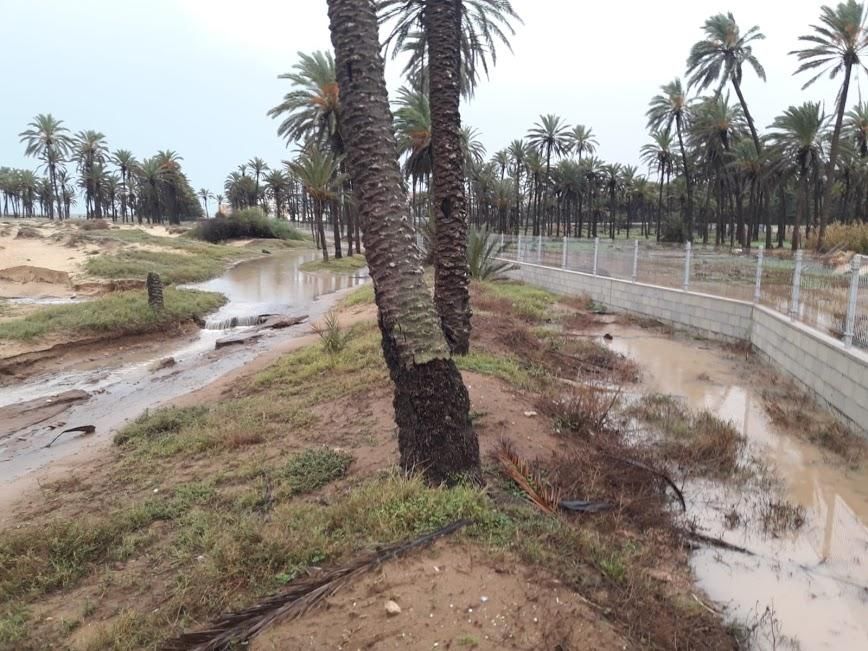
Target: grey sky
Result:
[198, 76]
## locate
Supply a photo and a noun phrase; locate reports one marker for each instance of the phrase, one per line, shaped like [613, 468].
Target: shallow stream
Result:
[123, 382]
[806, 589]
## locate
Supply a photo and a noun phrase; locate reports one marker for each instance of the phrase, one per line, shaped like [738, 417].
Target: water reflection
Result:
[814, 581]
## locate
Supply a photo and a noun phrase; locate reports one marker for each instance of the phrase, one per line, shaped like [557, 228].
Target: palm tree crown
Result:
[837, 43]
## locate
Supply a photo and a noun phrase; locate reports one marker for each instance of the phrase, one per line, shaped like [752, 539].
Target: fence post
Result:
[596, 251]
[797, 284]
[635, 260]
[759, 275]
[850, 323]
[564, 254]
[539, 248]
[518, 249]
[688, 252]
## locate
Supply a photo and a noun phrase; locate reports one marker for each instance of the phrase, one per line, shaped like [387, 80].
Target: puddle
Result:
[814, 582]
[122, 382]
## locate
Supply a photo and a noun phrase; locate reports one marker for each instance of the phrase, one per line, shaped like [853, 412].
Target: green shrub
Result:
[244, 224]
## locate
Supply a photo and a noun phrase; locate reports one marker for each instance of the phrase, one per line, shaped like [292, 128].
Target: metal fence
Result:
[831, 299]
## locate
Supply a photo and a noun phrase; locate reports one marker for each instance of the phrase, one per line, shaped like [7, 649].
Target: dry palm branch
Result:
[540, 493]
[233, 629]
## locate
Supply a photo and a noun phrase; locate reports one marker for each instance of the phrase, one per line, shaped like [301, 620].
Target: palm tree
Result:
[549, 134]
[797, 137]
[666, 108]
[126, 164]
[720, 57]
[311, 109]
[658, 155]
[90, 151]
[471, 145]
[518, 152]
[318, 172]
[204, 195]
[258, 166]
[484, 25]
[432, 407]
[219, 199]
[413, 126]
[858, 117]
[276, 184]
[49, 140]
[837, 44]
[583, 140]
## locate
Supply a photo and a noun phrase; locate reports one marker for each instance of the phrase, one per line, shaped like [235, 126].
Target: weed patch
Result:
[524, 301]
[312, 469]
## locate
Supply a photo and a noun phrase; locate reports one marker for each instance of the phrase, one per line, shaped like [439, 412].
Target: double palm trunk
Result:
[442, 20]
[432, 407]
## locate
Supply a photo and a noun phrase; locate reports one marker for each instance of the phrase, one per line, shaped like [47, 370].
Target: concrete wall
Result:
[836, 376]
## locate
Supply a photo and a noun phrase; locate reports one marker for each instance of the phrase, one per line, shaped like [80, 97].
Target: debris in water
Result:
[234, 340]
[163, 364]
[84, 430]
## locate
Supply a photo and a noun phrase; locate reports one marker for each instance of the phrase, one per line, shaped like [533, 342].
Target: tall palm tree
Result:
[837, 45]
[204, 195]
[47, 139]
[432, 407]
[583, 141]
[318, 172]
[668, 107]
[518, 152]
[797, 137]
[258, 166]
[311, 109]
[858, 117]
[276, 186]
[126, 164]
[549, 135]
[658, 155]
[219, 199]
[471, 145]
[90, 151]
[719, 58]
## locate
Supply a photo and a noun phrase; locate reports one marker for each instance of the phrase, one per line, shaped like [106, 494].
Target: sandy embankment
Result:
[35, 262]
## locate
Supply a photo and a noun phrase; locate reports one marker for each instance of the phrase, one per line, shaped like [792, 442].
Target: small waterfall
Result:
[236, 322]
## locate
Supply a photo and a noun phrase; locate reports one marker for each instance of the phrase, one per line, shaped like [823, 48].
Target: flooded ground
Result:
[804, 589]
[122, 382]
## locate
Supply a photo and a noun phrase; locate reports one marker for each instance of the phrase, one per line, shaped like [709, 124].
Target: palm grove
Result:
[113, 184]
[379, 172]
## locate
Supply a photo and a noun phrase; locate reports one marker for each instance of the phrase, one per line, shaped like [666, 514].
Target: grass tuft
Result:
[312, 469]
[363, 295]
[345, 265]
[523, 300]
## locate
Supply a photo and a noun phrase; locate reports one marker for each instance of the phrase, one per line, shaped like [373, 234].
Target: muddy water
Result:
[807, 589]
[122, 382]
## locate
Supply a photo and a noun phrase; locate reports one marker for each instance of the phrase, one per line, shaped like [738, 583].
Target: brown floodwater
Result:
[122, 382]
[806, 589]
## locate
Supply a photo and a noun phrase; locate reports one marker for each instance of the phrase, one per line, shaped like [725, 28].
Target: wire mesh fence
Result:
[824, 297]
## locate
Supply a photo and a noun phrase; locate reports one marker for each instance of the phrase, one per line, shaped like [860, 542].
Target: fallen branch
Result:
[237, 629]
[715, 542]
[656, 473]
[537, 491]
[84, 429]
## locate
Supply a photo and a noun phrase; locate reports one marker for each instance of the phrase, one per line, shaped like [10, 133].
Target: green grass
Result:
[506, 368]
[363, 295]
[526, 301]
[312, 469]
[13, 626]
[343, 265]
[173, 268]
[121, 313]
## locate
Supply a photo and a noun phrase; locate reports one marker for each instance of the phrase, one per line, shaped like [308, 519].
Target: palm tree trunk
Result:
[688, 213]
[336, 229]
[660, 203]
[833, 155]
[432, 406]
[451, 273]
[747, 115]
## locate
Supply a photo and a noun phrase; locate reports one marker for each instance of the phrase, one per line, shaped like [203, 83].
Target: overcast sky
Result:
[198, 76]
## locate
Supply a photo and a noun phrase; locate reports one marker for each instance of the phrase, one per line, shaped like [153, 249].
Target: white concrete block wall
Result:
[835, 375]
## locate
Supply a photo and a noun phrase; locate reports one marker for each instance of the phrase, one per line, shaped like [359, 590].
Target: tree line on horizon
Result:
[113, 184]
